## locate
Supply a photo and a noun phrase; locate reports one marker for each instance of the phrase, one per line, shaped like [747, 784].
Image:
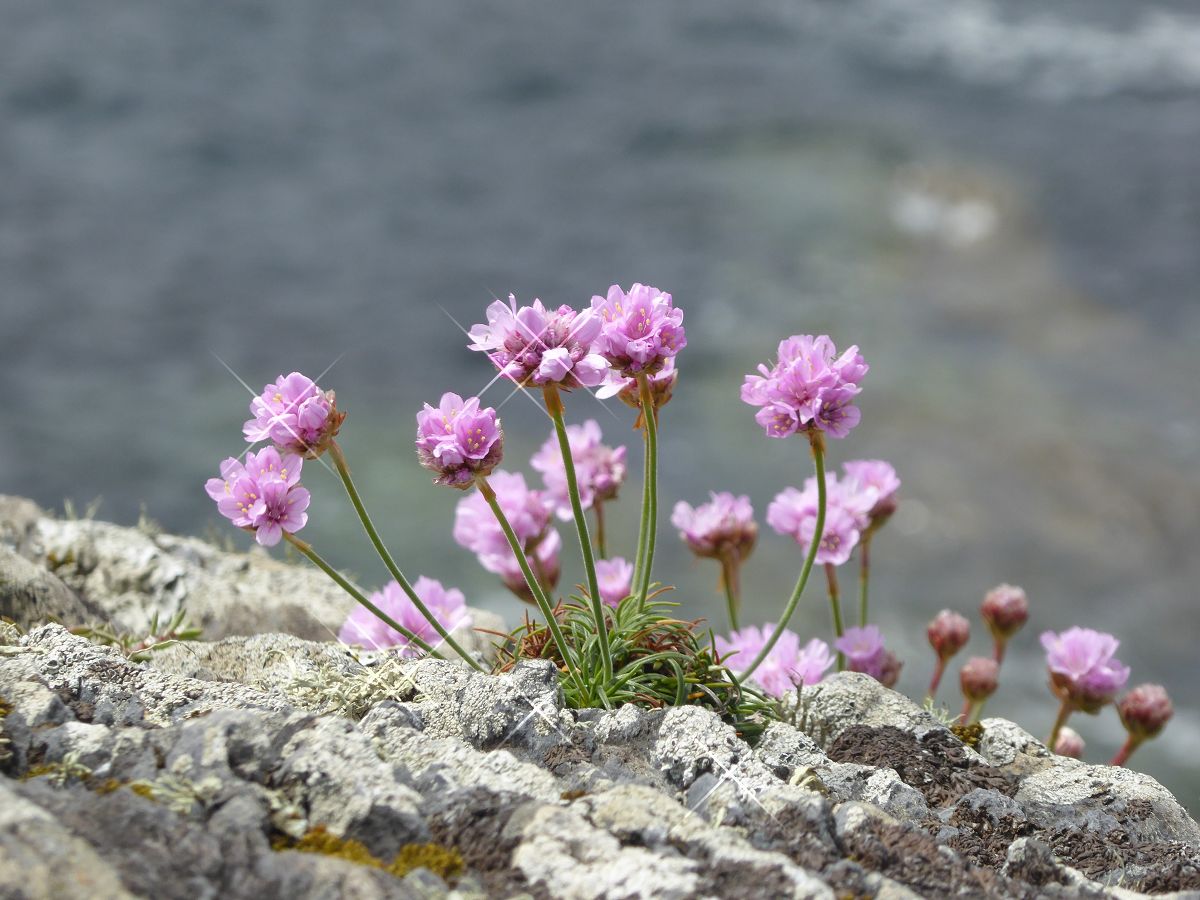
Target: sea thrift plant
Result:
[364, 628]
[620, 638]
[1069, 743]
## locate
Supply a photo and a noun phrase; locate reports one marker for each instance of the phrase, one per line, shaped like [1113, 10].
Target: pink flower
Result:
[536, 345]
[458, 440]
[296, 415]
[1082, 668]
[786, 666]
[794, 513]
[263, 494]
[809, 388]
[614, 577]
[447, 605]
[599, 470]
[528, 512]
[641, 330]
[948, 633]
[863, 648]
[876, 479]
[722, 527]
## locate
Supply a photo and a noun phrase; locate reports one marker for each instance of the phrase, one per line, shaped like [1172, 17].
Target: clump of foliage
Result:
[444, 862]
[138, 646]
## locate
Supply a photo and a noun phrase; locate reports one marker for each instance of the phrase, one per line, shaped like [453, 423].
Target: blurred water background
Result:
[999, 202]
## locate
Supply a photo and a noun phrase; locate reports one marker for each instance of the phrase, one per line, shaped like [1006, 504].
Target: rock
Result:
[29, 595]
[850, 698]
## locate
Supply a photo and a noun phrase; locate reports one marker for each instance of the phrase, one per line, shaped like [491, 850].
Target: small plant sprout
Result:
[978, 678]
[1005, 609]
[1144, 711]
[1069, 743]
[618, 639]
[948, 633]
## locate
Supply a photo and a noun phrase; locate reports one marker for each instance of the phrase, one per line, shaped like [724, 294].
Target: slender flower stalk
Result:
[535, 587]
[1064, 713]
[864, 574]
[639, 558]
[650, 498]
[731, 582]
[1122, 756]
[354, 592]
[343, 470]
[835, 607]
[817, 444]
[601, 544]
[554, 405]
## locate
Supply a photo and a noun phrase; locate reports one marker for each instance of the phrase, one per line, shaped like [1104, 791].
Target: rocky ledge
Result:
[269, 765]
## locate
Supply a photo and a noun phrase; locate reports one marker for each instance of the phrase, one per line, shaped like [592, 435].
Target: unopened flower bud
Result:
[1069, 743]
[1005, 609]
[889, 669]
[948, 633]
[978, 677]
[1145, 710]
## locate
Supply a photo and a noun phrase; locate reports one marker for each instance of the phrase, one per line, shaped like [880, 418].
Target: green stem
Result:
[835, 607]
[1064, 712]
[863, 578]
[639, 561]
[729, 579]
[601, 545]
[356, 594]
[539, 594]
[818, 453]
[650, 501]
[555, 407]
[339, 461]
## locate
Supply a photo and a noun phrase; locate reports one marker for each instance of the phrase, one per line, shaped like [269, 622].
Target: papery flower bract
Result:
[877, 479]
[794, 513]
[364, 628]
[662, 386]
[863, 648]
[640, 330]
[810, 387]
[978, 678]
[785, 667]
[296, 415]
[262, 494]
[1145, 710]
[723, 527]
[599, 469]
[459, 440]
[614, 576]
[948, 633]
[1082, 668]
[1069, 743]
[536, 345]
[529, 514]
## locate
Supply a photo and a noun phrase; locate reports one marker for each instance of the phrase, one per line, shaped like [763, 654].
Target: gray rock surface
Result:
[216, 768]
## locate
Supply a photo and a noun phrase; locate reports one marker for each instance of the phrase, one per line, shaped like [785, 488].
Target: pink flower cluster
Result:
[599, 469]
[458, 440]
[362, 627]
[865, 652]
[294, 414]
[787, 666]
[642, 329]
[723, 527]
[810, 388]
[615, 576]
[1083, 669]
[263, 494]
[529, 513]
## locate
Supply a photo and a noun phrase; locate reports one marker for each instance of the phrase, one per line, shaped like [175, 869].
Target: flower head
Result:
[863, 647]
[529, 514]
[458, 440]
[641, 330]
[362, 627]
[1005, 609]
[614, 576]
[536, 345]
[794, 513]
[876, 479]
[296, 415]
[1145, 710]
[787, 666]
[722, 528]
[1082, 668]
[810, 388]
[599, 469]
[263, 494]
[948, 633]
[979, 677]
[1069, 743]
